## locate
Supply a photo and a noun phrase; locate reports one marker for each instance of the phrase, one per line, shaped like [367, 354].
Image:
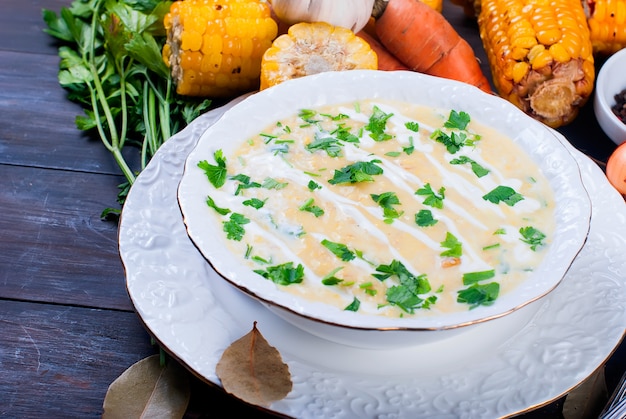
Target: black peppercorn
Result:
[619, 108]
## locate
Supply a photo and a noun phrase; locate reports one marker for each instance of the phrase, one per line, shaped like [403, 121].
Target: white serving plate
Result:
[255, 113]
[195, 315]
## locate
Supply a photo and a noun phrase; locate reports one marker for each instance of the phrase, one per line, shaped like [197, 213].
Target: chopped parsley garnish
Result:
[331, 279]
[268, 137]
[357, 172]
[368, 288]
[234, 226]
[393, 153]
[454, 246]
[343, 133]
[504, 194]
[491, 246]
[211, 203]
[479, 294]
[313, 209]
[254, 203]
[386, 200]
[532, 236]
[284, 274]
[412, 126]
[377, 125]
[270, 183]
[410, 149]
[473, 277]
[424, 218]
[453, 142]
[354, 305]
[308, 115]
[244, 183]
[458, 120]
[406, 295]
[432, 199]
[330, 145]
[499, 231]
[312, 185]
[216, 173]
[478, 170]
[339, 249]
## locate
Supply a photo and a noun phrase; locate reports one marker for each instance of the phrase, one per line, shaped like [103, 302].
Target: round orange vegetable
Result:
[616, 168]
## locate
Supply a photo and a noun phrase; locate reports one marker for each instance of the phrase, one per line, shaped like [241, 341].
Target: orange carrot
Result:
[425, 41]
[386, 60]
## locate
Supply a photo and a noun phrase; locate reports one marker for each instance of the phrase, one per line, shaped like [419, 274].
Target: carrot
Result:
[425, 41]
[386, 60]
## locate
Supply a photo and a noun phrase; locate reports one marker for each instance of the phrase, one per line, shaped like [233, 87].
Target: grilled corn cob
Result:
[310, 48]
[540, 55]
[214, 47]
[607, 25]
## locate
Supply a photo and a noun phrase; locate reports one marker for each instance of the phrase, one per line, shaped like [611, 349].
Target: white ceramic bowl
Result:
[251, 116]
[610, 81]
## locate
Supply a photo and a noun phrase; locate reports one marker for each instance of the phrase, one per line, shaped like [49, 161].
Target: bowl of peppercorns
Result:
[610, 97]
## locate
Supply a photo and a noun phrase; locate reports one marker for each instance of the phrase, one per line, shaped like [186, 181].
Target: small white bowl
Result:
[611, 80]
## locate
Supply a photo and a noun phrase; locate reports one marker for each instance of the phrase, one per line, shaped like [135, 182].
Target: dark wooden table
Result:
[67, 326]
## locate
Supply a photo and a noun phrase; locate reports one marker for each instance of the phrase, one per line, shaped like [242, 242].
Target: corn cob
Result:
[435, 4]
[214, 47]
[540, 55]
[310, 48]
[607, 25]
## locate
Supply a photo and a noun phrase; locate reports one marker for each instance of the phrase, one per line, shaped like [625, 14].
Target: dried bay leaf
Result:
[148, 390]
[253, 371]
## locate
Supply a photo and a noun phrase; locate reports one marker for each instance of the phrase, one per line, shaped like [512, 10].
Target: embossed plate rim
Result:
[195, 318]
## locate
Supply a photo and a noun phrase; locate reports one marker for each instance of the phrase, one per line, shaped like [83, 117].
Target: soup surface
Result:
[383, 207]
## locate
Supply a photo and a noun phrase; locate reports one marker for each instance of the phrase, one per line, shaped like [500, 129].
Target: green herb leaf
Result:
[532, 236]
[357, 172]
[216, 173]
[405, 295]
[312, 185]
[504, 194]
[354, 305]
[308, 206]
[331, 279]
[412, 126]
[244, 182]
[386, 200]
[378, 124]
[339, 249]
[343, 133]
[254, 203]
[472, 277]
[453, 141]
[454, 246]
[284, 274]
[458, 120]
[424, 218]
[432, 199]
[234, 226]
[270, 183]
[479, 294]
[330, 145]
[211, 203]
[478, 170]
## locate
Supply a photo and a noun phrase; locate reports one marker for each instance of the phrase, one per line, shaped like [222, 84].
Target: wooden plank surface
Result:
[58, 361]
[55, 248]
[41, 131]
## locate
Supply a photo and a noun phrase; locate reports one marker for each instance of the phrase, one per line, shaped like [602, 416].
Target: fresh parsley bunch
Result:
[111, 64]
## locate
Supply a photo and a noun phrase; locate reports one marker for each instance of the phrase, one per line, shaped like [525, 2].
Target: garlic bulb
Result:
[351, 14]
